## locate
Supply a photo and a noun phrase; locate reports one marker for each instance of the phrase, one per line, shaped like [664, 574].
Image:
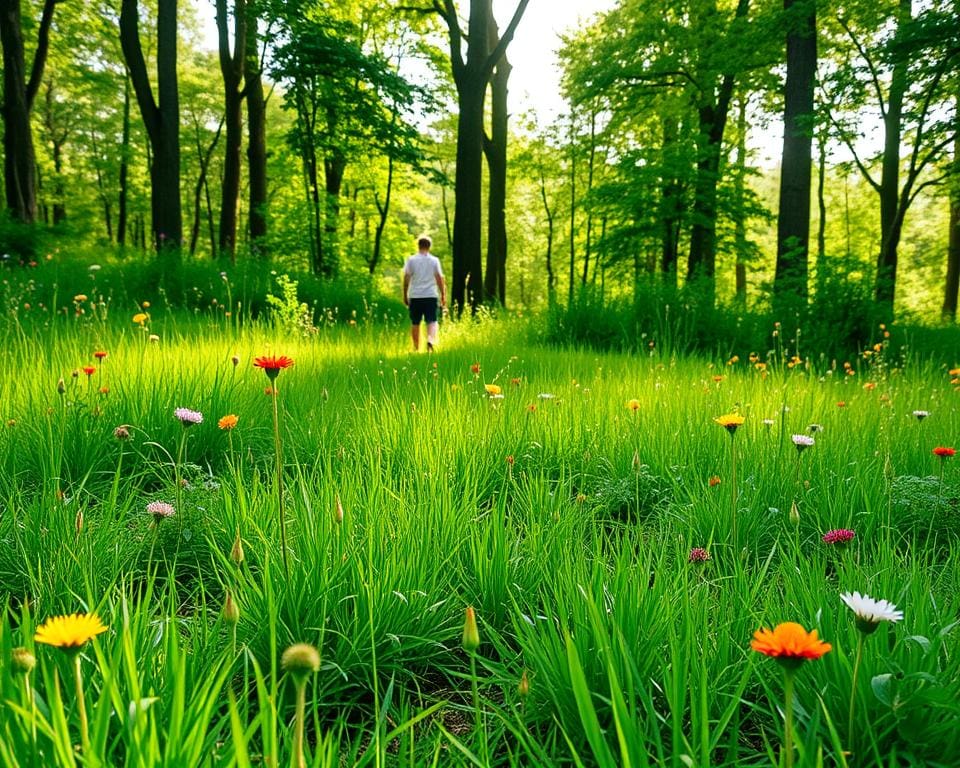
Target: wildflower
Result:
[140, 318]
[153, 338]
[515, 381]
[768, 423]
[841, 404]
[944, 453]
[794, 513]
[509, 460]
[815, 428]
[475, 369]
[633, 405]
[471, 634]
[714, 481]
[870, 612]
[89, 370]
[273, 365]
[122, 432]
[338, 510]
[802, 442]
[717, 379]
[104, 390]
[493, 390]
[61, 387]
[228, 422]
[921, 415]
[300, 660]
[187, 417]
[789, 643]
[870, 386]
[730, 422]
[839, 536]
[99, 354]
[698, 555]
[532, 408]
[69, 632]
[545, 396]
[269, 391]
[160, 510]
[235, 360]
[80, 297]
[145, 305]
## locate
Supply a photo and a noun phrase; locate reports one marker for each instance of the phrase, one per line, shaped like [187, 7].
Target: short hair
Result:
[424, 242]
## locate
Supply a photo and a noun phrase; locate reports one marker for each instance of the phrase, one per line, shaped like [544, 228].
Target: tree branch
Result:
[874, 76]
[491, 61]
[40, 55]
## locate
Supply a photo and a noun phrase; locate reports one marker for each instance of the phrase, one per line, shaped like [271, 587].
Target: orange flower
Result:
[713, 482]
[227, 422]
[789, 643]
[475, 369]
[633, 405]
[944, 452]
[140, 318]
[89, 370]
[870, 385]
[99, 354]
[272, 365]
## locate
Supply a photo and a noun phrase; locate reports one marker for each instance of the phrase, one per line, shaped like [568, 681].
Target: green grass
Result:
[573, 551]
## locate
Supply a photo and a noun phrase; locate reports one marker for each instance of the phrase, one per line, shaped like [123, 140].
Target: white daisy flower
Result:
[921, 415]
[802, 441]
[870, 612]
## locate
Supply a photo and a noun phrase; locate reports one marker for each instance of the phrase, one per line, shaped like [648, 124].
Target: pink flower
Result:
[698, 555]
[839, 536]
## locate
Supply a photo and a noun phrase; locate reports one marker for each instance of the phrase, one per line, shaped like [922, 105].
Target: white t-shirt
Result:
[423, 269]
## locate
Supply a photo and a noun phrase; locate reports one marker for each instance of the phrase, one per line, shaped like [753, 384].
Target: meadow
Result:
[617, 526]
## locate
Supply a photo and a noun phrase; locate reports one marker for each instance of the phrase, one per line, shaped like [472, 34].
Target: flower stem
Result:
[788, 718]
[733, 494]
[82, 709]
[853, 687]
[298, 759]
[279, 457]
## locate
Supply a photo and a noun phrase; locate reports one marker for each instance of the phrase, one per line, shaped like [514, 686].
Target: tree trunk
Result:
[232, 68]
[20, 179]
[334, 167]
[383, 209]
[711, 123]
[203, 158]
[739, 194]
[573, 206]
[793, 218]
[891, 221]
[822, 270]
[591, 158]
[495, 148]
[160, 117]
[670, 201]
[952, 284]
[124, 166]
[256, 140]
[471, 77]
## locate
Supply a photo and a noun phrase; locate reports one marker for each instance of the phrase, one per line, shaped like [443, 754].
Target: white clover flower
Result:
[921, 415]
[160, 510]
[546, 396]
[187, 417]
[870, 612]
[802, 442]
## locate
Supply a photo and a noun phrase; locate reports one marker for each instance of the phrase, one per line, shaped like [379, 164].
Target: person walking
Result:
[422, 284]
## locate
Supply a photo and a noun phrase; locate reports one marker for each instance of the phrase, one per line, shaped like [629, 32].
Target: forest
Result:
[747, 153]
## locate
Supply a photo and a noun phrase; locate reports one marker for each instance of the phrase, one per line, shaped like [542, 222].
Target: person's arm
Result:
[406, 287]
[443, 289]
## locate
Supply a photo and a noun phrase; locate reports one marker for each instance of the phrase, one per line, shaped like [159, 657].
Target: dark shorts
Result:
[423, 309]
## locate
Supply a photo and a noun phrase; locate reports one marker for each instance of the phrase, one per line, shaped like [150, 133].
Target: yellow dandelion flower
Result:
[493, 389]
[633, 405]
[69, 632]
[730, 421]
[140, 318]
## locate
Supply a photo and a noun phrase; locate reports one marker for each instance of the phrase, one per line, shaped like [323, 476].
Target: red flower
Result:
[89, 370]
[273, 365]
[944, 453]
[99, 354]
[475, 369]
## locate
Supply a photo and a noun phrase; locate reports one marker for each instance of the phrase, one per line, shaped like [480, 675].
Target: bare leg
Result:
[415, 335]
[432, 331]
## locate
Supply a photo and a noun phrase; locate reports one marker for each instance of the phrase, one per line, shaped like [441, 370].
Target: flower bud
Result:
[794, 513]
[236, 551]
[471, 634]
[523, 687]
[231, 611]
[23, 661]
[338, 514]
[300, 660]
[61, 386]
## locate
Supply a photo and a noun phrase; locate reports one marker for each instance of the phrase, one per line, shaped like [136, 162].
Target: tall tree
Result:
[495, 149]
[232, 68]
[19, 92]
[256, 137]
[471, 76]
[793, 218]
[900, 66]
[952, 283]
[161, 117]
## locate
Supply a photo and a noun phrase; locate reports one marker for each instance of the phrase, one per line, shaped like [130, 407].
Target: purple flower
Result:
[187, 417]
